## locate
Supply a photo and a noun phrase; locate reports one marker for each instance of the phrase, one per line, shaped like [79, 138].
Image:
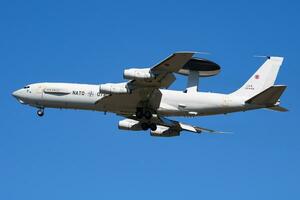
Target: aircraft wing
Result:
[141, 91]
[169, 128]
[163, 71]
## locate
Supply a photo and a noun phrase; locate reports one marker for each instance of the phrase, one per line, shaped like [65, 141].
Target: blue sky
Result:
[71, 154]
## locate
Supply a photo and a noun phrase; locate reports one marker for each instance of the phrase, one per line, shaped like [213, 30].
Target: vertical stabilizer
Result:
[262, 79]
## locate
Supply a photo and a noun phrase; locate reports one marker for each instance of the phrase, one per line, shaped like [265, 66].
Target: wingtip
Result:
[222, 132]
[193, 52]
[185, 52]
[204, 130]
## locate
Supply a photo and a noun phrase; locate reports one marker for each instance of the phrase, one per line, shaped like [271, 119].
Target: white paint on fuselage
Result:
[200, 103]
[85, 96]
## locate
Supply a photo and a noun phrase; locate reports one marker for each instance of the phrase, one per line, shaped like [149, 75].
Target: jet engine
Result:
[114, 88]
[129, 124]
[134, 73]
[163, 131]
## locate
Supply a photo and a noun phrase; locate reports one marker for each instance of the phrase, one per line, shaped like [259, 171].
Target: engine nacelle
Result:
[163, 131]
[129, 124]
[114, 88]
[134, 73]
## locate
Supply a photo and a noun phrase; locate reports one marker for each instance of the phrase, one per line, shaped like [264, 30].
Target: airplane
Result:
[145, 100]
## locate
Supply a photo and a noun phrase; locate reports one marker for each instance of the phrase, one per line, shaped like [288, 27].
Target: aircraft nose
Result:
[16, 94]
[19, 95]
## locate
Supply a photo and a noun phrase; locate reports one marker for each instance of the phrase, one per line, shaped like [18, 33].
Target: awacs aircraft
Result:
[145, 100]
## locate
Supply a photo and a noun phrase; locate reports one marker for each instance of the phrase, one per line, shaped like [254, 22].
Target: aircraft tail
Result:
[262, 79]
[269, 97]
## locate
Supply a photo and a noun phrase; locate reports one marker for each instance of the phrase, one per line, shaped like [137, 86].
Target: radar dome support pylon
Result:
[192, 82]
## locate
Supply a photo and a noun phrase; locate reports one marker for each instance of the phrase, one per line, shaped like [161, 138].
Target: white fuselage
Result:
[164, 102]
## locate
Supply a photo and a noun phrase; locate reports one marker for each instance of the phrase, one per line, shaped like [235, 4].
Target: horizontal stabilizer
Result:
[278, 108]
[269, 96]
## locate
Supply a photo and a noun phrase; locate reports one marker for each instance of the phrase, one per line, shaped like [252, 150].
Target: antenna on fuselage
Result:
[262, 56]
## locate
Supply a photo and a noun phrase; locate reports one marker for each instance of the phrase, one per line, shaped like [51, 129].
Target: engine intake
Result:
[134, 73]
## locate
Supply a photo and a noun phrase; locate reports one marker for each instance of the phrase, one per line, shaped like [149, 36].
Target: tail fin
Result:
[262, 79]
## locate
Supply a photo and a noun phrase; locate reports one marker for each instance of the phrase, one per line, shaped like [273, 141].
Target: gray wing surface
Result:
[164, 70]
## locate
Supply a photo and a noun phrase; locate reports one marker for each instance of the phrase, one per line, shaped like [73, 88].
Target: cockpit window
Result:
[26, 87]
